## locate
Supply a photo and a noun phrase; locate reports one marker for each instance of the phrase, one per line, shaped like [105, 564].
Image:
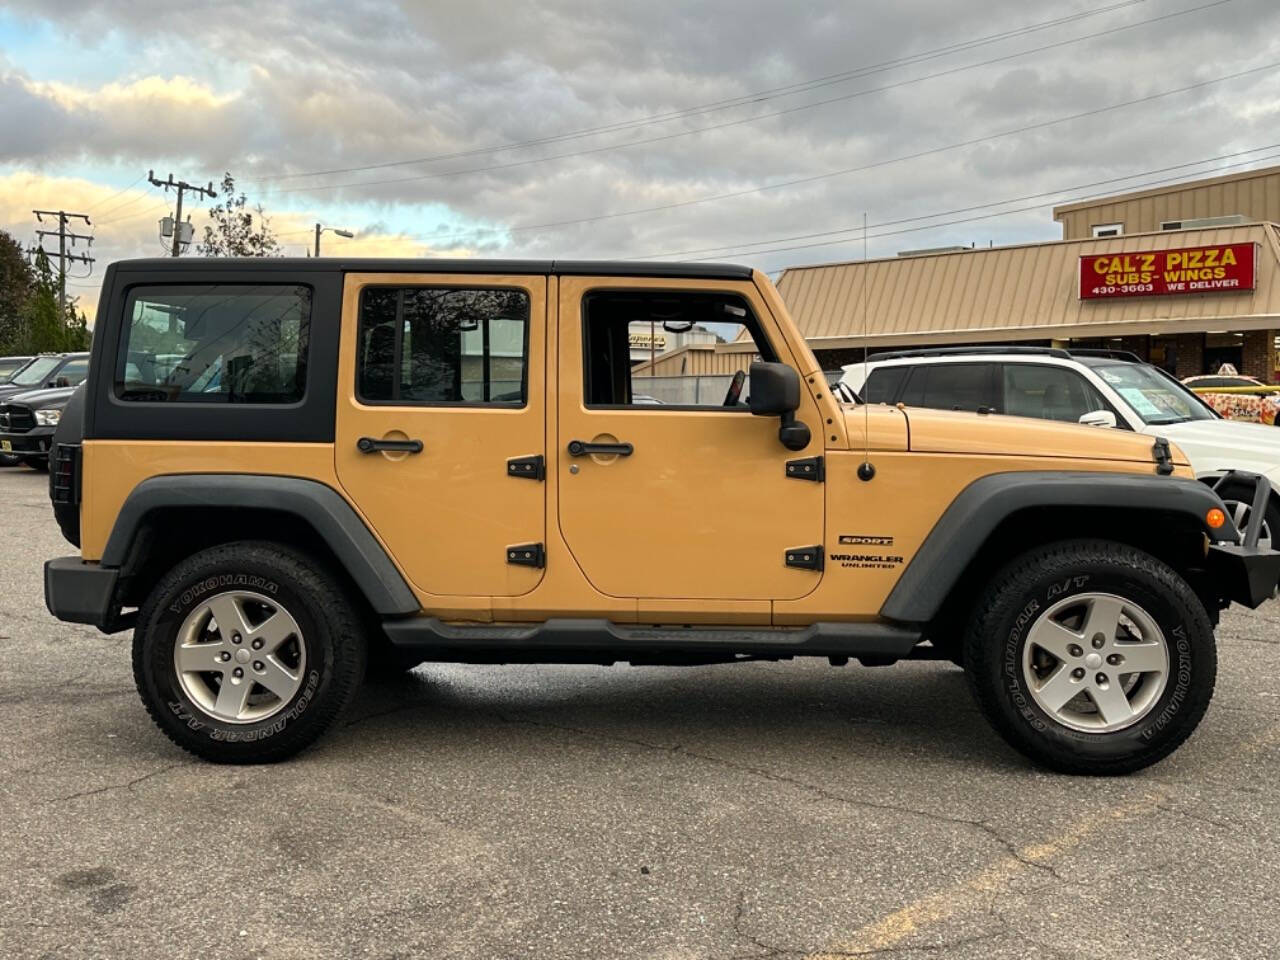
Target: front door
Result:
[686, 495]
[441, 419]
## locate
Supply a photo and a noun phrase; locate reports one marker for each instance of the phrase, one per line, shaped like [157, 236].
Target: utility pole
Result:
[64, 218]
[181, 186]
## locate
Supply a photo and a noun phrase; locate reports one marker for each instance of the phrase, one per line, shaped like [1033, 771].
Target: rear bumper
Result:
[80, 592]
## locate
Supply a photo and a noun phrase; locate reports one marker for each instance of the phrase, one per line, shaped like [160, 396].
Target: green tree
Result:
[16, 280]
[237, 230]
[76, 335]
[42, 329]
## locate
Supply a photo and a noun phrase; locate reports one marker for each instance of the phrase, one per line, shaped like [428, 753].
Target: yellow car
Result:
[1238, 398]
[281, 469]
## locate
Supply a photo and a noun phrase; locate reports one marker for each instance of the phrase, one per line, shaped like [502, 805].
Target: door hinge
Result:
[808, 468]
[1163, 456]
[805, 558]
[529, 468]
[527, 555]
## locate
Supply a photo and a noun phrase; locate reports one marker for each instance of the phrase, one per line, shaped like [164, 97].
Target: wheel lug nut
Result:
[237, 672]
[235, 638]
[224, 656]
[1075, 651]
[258, 665]
[1101, 680]
[257, 644]
[1115, 659]
[1077, 673]
[1098, 641]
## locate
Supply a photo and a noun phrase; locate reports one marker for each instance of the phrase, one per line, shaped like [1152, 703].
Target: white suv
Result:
[1092, 387]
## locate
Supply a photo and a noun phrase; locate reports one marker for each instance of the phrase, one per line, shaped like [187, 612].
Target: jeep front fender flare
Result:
[981, 507]
[319, 506]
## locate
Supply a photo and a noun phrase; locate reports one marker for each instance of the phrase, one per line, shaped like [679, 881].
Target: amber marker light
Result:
[1215, 518]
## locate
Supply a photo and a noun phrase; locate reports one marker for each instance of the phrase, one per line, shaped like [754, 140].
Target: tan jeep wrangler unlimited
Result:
[279, 469]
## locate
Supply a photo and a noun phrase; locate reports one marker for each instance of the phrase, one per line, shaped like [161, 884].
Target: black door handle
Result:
[370, 445]
[580, 448]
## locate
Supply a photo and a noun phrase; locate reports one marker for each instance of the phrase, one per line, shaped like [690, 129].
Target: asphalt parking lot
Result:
[762, 810]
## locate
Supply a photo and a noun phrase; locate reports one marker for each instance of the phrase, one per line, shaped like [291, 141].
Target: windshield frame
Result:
[32, 366]
[1155, 377]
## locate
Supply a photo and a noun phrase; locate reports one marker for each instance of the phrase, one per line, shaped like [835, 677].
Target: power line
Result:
[947, 223]
[739, 248]
[764, 116]
[146, 194]
[712, 198]
[123, 190]
[725, 104]
[149, 211]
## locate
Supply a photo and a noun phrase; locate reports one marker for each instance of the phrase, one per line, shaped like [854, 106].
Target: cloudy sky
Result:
[752, 130]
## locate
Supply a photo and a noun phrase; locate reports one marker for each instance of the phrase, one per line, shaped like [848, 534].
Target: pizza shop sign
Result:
[1157, 273]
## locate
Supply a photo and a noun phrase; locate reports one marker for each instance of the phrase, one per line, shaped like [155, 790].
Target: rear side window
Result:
[215, 343]
[951, 386]
[1048, 393]
[72, 373]
[442, 345]
[883, 384]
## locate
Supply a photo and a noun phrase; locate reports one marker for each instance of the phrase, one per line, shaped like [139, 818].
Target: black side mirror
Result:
[775, 392]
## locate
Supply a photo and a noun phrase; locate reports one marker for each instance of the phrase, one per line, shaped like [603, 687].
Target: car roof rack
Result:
[969, 351]
[1106, 354]
[1095, 352]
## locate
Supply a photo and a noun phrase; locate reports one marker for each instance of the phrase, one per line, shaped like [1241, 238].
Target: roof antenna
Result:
[866, 470]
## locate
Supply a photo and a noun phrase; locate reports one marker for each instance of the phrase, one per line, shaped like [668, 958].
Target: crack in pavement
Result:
[983, 826]
[1230, 641]
[127, 785]
[773, 950]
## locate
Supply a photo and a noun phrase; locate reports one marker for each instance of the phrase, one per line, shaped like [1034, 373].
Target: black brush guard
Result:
[1245, 572]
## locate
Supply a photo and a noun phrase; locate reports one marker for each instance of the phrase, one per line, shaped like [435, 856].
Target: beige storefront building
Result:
[1032, 294]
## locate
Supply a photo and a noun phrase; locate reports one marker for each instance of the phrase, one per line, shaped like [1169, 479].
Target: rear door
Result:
[953, 386]
[441, 418]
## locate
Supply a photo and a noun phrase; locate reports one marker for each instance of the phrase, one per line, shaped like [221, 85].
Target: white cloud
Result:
[264, 89]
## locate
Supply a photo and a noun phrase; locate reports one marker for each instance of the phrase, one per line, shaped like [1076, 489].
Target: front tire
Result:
[247, 652]
[1091, 657]
[1238, 498]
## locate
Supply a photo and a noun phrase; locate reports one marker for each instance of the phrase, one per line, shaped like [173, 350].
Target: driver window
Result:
[687, 350]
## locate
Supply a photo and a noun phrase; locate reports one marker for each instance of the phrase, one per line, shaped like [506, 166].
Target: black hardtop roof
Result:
[608, 268]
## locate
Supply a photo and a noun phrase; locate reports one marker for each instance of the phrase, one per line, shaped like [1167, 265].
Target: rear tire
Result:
[1048, 647]
[269, 680]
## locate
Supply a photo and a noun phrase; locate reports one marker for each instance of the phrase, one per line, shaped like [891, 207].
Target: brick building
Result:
[1118, 278]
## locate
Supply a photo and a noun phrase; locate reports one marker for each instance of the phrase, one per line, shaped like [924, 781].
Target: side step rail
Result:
[605, 640]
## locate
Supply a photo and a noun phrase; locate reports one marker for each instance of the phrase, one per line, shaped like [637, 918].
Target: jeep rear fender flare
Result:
[971, 519]
[321, 507]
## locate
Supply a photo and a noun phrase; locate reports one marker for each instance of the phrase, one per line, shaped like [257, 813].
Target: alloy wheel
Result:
[239, 657]
[1095, 662]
